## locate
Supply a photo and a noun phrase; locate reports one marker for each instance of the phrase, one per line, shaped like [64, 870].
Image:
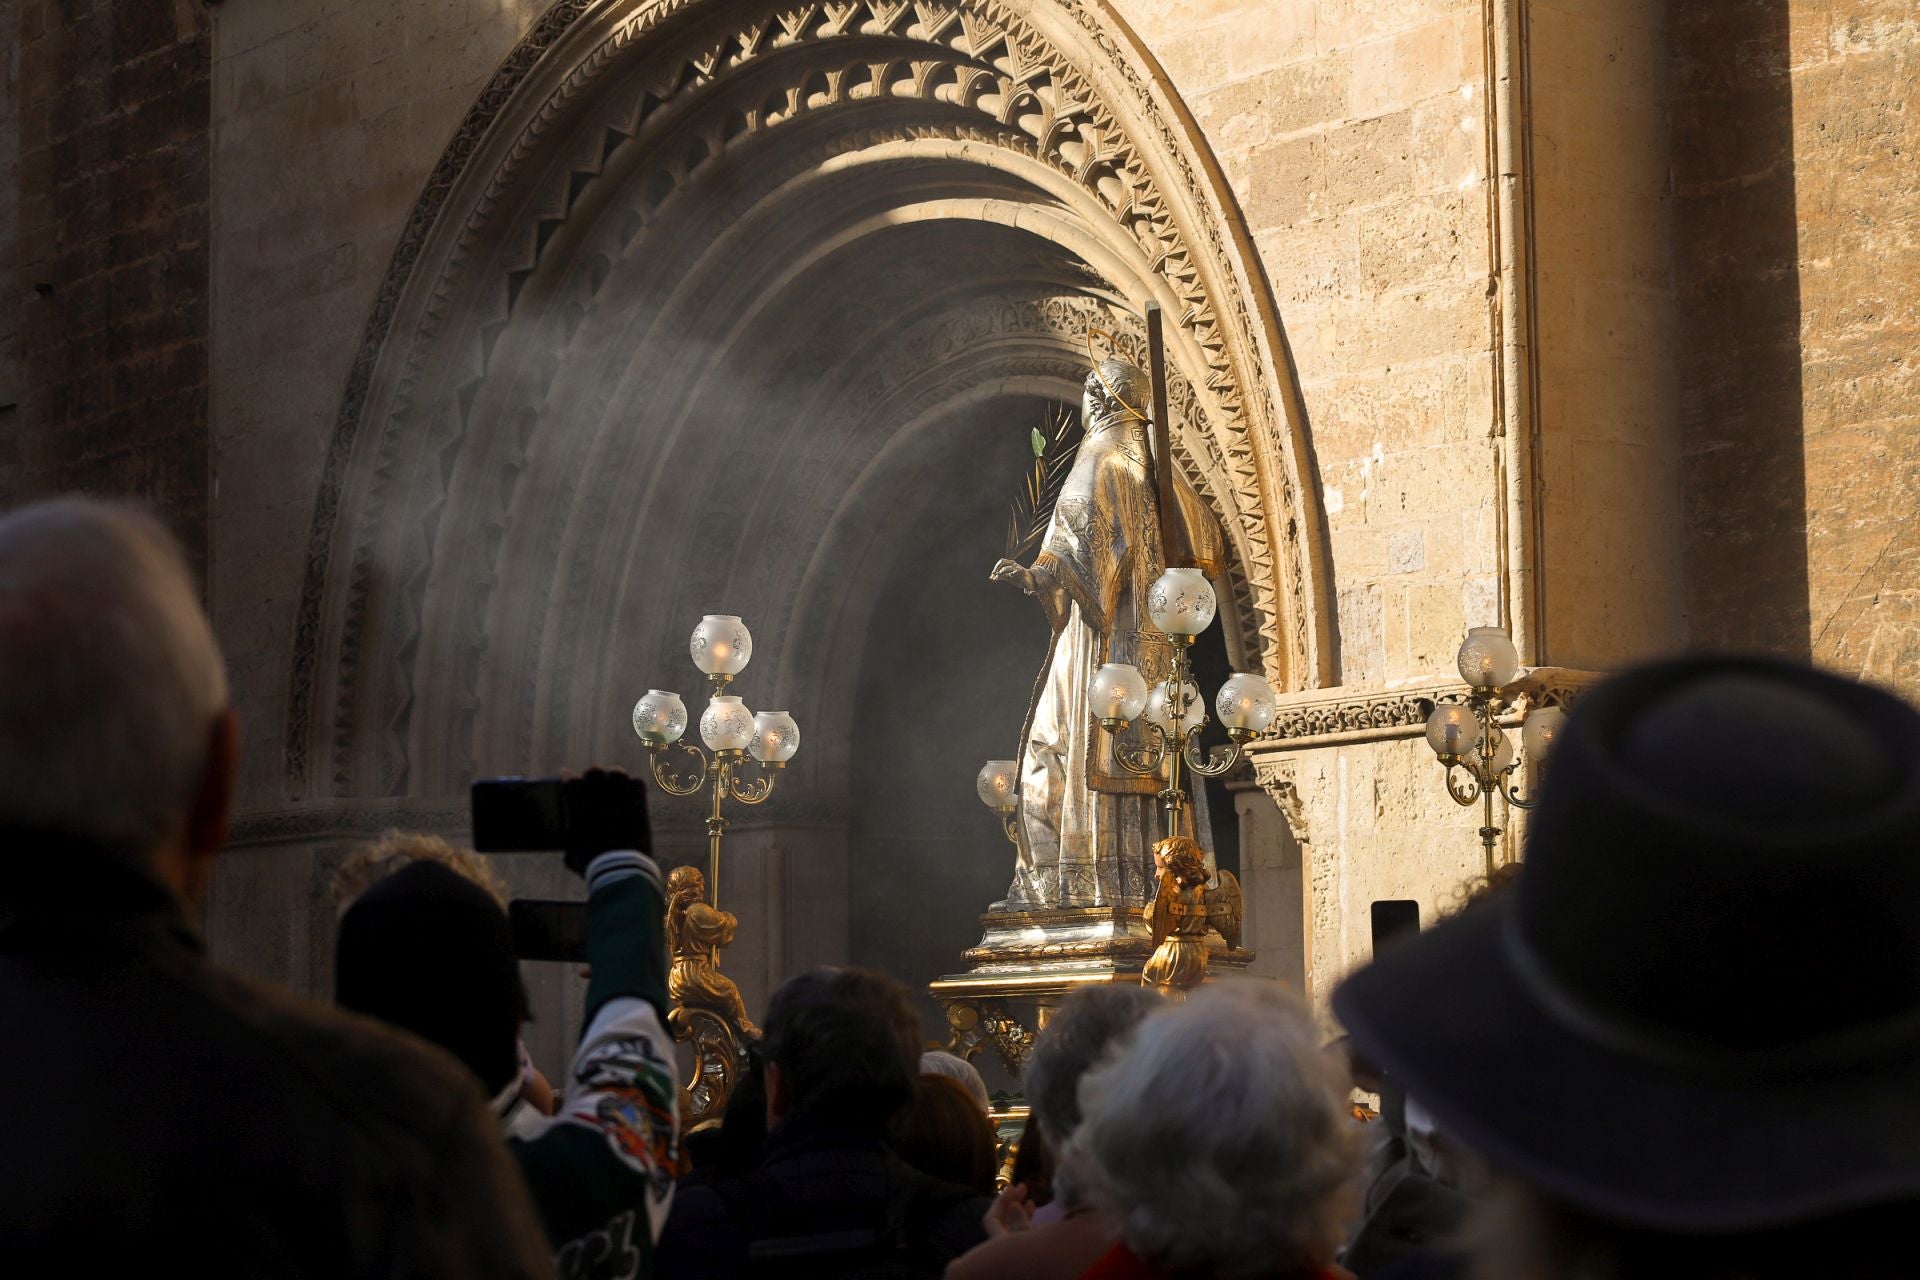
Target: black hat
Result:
[430, 952]
[1699, 1007]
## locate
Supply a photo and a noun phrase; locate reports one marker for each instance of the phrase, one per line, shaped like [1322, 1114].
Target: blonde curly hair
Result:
[372, 863]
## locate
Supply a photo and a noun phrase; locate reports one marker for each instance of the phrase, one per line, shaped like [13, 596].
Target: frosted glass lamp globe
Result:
[1488, 659]
[1181, 602]
[776, 737]
[1245, 702]
[1538, 731]
[997, 785]
[1452, 730]
[660, 718]
[1161, 713]
[726, 724]
[1118, 692]
[721, 645]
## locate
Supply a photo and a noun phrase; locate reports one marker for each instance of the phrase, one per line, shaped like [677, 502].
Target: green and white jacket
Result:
[602, 1170]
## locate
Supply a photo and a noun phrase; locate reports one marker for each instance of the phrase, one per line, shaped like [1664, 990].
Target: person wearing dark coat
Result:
[1688, 1040]
[168, 1116]
[829, 1198]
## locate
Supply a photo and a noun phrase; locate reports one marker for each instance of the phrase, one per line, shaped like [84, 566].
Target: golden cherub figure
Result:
[1184, 910]
[695, 934]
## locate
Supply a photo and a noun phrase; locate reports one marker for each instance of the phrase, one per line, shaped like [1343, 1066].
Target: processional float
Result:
[1114, 880]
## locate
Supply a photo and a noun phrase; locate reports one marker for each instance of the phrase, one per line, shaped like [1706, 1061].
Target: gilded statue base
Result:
[1027, 961]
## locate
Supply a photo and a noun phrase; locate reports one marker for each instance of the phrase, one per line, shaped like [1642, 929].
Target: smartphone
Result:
[519, 815]
[1394, 919]
[546, 930]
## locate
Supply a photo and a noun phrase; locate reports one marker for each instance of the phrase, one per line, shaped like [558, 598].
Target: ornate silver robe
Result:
[1088, 826]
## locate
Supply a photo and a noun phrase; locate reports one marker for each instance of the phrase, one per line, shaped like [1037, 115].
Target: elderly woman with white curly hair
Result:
[1220, 1142]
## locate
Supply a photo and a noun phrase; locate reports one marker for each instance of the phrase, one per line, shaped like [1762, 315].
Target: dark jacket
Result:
[165, 1115]
[829, 1199]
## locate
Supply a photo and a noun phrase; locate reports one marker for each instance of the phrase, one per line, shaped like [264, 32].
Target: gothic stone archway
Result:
[690, 287]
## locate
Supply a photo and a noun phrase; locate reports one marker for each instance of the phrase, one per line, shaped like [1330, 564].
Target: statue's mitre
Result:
[1117, 380]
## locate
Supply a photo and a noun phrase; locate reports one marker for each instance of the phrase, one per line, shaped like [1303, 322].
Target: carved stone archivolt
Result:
[619, 232]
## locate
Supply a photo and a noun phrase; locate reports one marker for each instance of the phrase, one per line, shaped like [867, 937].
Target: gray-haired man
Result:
[182, 1116]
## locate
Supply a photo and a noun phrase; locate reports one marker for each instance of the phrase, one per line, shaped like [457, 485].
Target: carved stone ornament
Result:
[1328, 716]
[1354, 716]
[579, 196]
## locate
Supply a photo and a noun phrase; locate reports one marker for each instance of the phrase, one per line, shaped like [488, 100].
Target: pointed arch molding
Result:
[1061, 88]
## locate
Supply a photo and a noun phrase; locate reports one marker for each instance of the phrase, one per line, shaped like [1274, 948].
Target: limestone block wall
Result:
[1856, 218]
[1354, 136]
[1731, 117]
[105, 257]
[327, 117]
[1793, 133]
[10, 285]
[1606, 493]
[1374, 822]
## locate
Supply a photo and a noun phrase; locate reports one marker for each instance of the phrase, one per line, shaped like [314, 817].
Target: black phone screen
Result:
[1394, 919]
[519, 815]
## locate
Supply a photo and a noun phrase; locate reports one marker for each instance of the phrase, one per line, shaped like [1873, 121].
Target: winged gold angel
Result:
[695, 934]
[1184, 911]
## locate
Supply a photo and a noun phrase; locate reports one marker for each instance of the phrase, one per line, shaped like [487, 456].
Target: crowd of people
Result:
[1683, 1041]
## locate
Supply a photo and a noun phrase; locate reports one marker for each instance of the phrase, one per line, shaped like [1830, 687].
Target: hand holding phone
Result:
[606, 809]
[602, 809]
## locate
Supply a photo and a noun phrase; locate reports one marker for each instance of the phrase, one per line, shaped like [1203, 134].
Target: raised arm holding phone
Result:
[602, 1169]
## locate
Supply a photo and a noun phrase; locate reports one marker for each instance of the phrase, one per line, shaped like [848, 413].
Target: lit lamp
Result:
[1171, 714]
[721, 646]
[1466, 736]
[999, 788]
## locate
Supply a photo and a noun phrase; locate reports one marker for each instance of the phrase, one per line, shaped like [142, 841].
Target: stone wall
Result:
[1855, 136]
[11, 288]
[1591, 117]
[1353, 135]
[108, 278]
[1687, 347]
[1798, 247]
[328, 116]
[1737, 279]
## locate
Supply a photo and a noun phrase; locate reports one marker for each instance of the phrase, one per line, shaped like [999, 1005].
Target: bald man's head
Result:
[113, 694]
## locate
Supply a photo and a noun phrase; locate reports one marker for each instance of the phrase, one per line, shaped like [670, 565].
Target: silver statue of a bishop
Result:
[1087, 826]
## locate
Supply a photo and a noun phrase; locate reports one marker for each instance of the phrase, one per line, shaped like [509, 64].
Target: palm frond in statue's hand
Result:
[1053, 445]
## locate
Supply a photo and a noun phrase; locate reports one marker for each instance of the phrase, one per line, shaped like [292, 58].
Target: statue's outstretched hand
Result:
[1014, 572]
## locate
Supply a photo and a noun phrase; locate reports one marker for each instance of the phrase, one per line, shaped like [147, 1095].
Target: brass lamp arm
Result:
[1513, 796]
[755, 790]
[1468, 793]
[1140, 757]
[1215, 762]
[671, 782]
